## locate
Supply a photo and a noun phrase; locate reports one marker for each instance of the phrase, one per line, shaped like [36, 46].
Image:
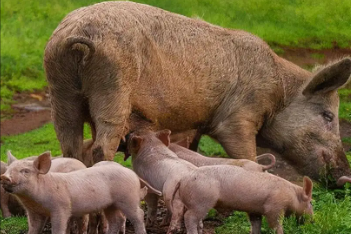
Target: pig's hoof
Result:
[150, 223]
[164, 223]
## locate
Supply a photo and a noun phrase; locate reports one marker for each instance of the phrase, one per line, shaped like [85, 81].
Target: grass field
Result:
[25, 29]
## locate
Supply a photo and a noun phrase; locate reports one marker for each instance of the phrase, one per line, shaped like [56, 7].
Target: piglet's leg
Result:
[151, 202]
[59, 222]
[177, 216]
[275, 221]
[191, 222]
[36, 222]
[115, 220]
[256, 222]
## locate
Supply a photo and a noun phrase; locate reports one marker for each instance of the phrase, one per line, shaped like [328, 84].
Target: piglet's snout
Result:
[5, 180]
[6, 183]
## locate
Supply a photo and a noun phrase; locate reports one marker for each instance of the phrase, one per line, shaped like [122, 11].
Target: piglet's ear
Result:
[43, 162]
[307, 188]
[184, 143]
[136, 142]
[330, 78]
[164, 136]
[10, 158]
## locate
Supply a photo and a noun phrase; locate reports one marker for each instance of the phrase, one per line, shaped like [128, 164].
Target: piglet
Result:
[109, 187]
[234, 188]
[196, 190]
[180, 148]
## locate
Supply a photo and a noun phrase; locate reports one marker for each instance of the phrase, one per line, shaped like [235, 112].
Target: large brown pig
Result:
[110, 187]
[111, 61]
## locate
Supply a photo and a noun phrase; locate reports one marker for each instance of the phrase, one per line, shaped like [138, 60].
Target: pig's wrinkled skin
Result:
[110, 187]
[115, 64]
[232, 187]
[200, 160]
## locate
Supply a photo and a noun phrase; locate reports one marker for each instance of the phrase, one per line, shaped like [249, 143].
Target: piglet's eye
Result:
[25, 171]
[328, 116]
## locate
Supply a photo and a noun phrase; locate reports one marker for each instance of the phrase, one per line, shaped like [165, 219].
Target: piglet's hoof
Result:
[149, 223]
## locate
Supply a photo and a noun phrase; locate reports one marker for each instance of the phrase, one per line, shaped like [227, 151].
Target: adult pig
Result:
[107, 62]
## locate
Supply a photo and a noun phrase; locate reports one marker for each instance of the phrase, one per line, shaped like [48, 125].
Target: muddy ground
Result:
[32, 110]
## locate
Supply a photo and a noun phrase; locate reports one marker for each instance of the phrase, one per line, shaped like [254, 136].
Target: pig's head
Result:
[22, 175]
[137, 140]
[304, 197]
[306, 131]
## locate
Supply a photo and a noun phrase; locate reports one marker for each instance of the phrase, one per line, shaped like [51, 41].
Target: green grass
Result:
[13, 225]
[25, 29]
[345, 104]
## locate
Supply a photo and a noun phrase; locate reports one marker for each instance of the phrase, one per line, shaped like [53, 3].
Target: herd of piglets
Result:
[65, 191]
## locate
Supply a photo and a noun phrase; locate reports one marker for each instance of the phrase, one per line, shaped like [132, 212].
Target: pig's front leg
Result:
[275, 221]
[59, 222]
[36, 222]
[256, 222]
[237, 138]
[151, 200]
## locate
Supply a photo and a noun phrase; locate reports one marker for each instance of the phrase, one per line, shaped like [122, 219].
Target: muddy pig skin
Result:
[200, 160]
[110, 187]
[115, 63]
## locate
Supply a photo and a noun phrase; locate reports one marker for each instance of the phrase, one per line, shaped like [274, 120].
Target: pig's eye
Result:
[25, 171]
[328, 116]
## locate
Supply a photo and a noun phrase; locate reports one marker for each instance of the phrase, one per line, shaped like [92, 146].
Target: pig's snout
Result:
[342, 180]
[6, 183]
[5, 180]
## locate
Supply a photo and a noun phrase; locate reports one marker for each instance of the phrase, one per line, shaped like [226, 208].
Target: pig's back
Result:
[190, 64]
[246, 190]
[96, 187]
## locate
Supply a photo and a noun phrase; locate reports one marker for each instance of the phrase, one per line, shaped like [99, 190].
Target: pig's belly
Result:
[176, 118]
[93, 198]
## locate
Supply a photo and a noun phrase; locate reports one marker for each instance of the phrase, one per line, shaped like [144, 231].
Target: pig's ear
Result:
[164, 136]
[43, 162]
[10, 158]
[330, 78]
[307, 188]
[136, 142]
[184, 143]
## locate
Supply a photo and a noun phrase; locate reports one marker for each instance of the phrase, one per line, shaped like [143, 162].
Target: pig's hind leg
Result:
[110, 108]
[151, 202]
[256, 222]
[115, 219]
